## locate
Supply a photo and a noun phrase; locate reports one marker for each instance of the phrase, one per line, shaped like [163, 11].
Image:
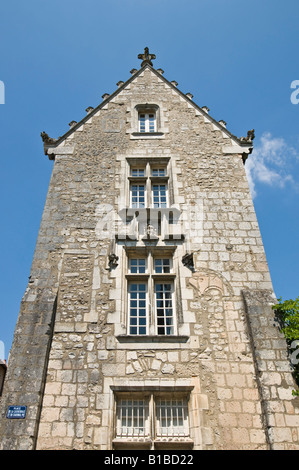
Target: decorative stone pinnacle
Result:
[146, 57]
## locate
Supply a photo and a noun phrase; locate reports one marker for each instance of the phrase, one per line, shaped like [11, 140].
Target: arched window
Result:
[148, 118]
[147, 122]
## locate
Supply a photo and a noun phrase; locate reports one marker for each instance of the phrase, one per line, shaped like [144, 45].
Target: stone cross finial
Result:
[146, 57]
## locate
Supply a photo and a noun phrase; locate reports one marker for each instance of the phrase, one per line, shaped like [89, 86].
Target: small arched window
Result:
[148, 118]
[147, 122]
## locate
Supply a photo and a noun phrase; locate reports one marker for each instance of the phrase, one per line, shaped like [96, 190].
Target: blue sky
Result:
[59, 57]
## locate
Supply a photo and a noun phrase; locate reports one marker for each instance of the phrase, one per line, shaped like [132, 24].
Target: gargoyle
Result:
[113, 261]
[47, 139]
[250, 136]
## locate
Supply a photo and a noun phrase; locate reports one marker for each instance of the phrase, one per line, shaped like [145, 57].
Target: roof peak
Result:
[49, 142]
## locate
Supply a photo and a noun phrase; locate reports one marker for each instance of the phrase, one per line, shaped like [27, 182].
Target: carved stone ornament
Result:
[47, 139]
[204, 282]
[146, 57]
[250, 136]
[113, 261]
[150, 232]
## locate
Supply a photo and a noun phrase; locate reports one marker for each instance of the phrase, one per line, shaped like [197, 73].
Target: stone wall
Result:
[217, 353]
[273, 372]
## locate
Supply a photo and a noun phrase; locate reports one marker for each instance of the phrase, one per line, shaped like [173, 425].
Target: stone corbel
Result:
[53, 152]
[188, 261]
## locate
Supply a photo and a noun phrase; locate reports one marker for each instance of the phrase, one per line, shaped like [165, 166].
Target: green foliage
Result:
[288, 314]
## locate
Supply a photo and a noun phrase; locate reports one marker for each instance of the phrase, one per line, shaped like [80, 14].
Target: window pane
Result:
[141, 122]
[132, 418]
[137, 266]
[162, 265]
[137, 309]
[159, 195]
[164, 309]
[151, 123]
[158, 172]
[137, 172]
[138, 195]
[147, 122]
[172, 418]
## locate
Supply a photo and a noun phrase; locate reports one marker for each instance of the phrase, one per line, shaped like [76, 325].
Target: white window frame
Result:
[172, 410]
[147, 122]
[161, 320]
[131, 412]
[138, 308]
[137, 204]
[158, 204]
[138, 265]
[139, 417]
[166, 265]
[158, 109]
[162, 171]
[150, 276]
[140, 171]
[145, 176]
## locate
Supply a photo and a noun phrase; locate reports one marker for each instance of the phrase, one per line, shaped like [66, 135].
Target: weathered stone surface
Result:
[70, 349]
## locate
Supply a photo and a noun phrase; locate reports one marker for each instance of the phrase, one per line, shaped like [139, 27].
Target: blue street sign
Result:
[16, 412]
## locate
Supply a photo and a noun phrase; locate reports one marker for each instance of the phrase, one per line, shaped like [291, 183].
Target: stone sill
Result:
[126, 444]
[152, 213]
[152, 338]
[174, 444]
[159, 443]
[156, 385]
[175, 237]
[147, 135]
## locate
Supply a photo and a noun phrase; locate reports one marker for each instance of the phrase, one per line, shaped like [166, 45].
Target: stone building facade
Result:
[147, 322]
